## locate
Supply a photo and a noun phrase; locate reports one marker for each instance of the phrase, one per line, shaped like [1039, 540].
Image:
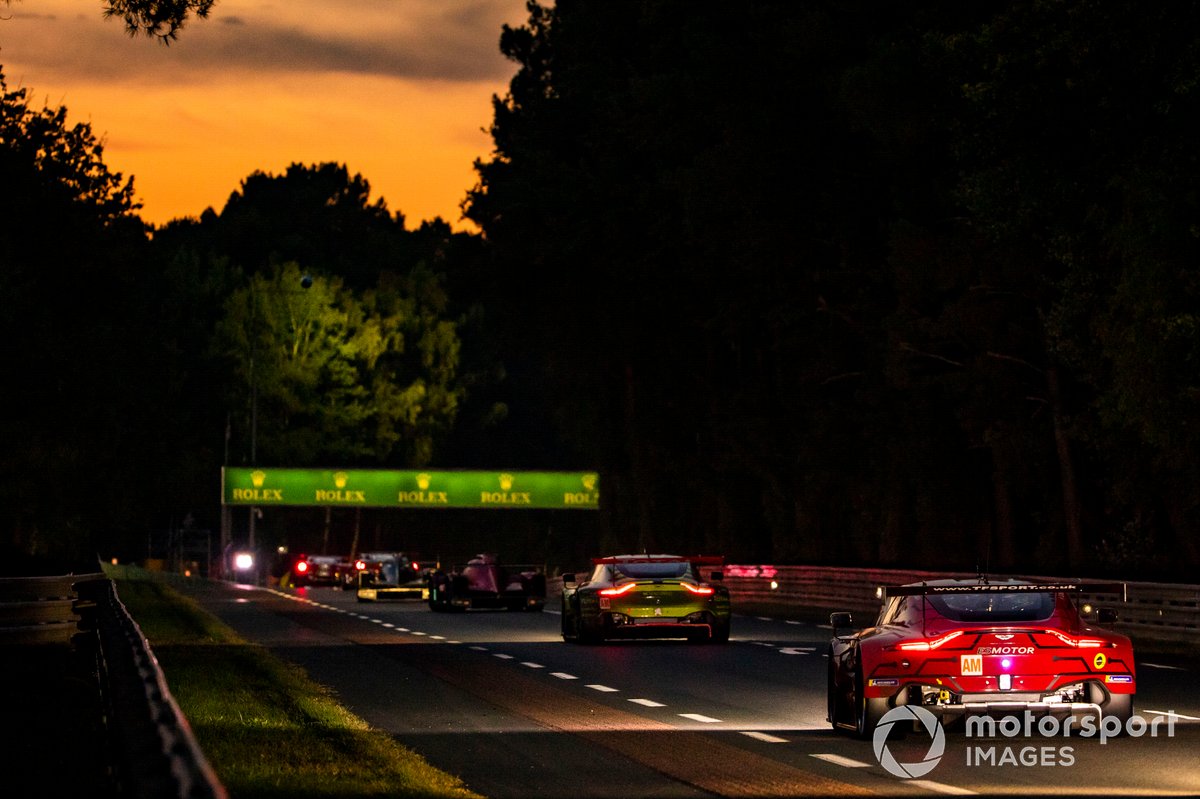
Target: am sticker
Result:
[972, 665]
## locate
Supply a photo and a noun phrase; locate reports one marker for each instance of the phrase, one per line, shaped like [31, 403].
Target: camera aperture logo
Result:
[907, 714]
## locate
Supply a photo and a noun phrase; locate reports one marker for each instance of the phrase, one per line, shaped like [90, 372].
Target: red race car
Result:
[962, 647]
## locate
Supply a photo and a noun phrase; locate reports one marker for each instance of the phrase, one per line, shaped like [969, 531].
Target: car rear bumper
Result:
[1012, 706]
[618, 625]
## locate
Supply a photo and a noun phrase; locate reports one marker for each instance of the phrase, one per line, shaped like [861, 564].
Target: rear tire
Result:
[720, 632]
[867, 712]
[832, 703]
[1120, 706]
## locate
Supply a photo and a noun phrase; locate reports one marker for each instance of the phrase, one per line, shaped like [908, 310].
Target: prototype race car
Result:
[483, 582]
[647, 596]
[964, 647]
[388, 575]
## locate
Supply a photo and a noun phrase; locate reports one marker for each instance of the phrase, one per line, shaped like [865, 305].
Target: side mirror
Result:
[840, 620]
[568, 577]
[718, 575]
[1107, 615]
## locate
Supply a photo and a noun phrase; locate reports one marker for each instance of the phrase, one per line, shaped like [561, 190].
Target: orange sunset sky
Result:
[397, 90]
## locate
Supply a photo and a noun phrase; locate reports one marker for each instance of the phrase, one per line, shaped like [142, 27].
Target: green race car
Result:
[647, 596]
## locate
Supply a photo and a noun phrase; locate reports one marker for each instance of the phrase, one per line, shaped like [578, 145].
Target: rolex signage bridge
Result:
[372, 488]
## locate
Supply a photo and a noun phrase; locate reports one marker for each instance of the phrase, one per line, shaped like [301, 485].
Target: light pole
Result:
[306, 282]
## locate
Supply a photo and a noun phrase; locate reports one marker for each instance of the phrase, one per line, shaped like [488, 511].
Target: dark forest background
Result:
[909, 284]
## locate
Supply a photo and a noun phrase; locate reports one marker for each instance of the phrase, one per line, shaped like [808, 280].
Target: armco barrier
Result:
[148, 746]
[1150, 611]
[43, 610]
[156, 753]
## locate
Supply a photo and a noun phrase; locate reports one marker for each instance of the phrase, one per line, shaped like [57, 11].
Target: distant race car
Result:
[964, 647]
[316, 570]
[484, 582]
[388, 575]
[647, 596]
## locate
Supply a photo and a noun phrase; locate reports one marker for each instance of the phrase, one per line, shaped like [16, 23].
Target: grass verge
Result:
[266, 728]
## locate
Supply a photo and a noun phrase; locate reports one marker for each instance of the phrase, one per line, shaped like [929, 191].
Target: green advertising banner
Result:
[370, 488]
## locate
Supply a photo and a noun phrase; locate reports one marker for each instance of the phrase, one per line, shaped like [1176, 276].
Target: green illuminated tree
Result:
[328, 375]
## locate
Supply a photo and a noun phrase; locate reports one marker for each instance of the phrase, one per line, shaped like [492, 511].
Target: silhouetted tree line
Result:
[862, 283]
[909, 284]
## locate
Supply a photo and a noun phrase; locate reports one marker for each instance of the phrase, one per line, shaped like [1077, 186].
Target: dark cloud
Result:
[412, 39]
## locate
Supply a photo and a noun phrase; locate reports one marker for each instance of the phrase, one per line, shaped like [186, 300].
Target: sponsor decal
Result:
[971, 665]
[1005, 650]
[1099, 661]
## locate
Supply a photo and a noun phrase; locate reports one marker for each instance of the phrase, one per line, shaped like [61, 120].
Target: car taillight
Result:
[618, 590]
[301, 567]
[931, 643]
[416, 567]
[361, 565]
[703, 590]
[1081, 643]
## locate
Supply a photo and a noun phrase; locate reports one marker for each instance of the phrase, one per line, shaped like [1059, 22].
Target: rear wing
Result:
[704, 560]
[888, 591]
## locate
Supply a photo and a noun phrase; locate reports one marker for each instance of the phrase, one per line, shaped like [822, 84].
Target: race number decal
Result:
[972, 665]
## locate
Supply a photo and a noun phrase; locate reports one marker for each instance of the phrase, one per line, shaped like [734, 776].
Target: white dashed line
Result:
[700, 718]
[562, 675]
[1170, 714]
[376, 621]
[1161, 666]
[502, 656]
[797, 650]
[790, 621]
[762, 736]
[401, 629]
[418, 632]
[940, 787]
[603, 689]
[389, 625]
[480, 648]
[647, 703]
[438, 637]
[532, 665]
[764, 618]
[838, 760]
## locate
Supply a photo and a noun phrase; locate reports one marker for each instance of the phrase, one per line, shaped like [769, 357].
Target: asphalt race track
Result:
[497, 698]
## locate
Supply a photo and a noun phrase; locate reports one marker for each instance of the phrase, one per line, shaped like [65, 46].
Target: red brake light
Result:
[703, 590]
[932, 643]
[301, 566]
[361, 565]
[416, 567]
[1081, 643]
[618, 590]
